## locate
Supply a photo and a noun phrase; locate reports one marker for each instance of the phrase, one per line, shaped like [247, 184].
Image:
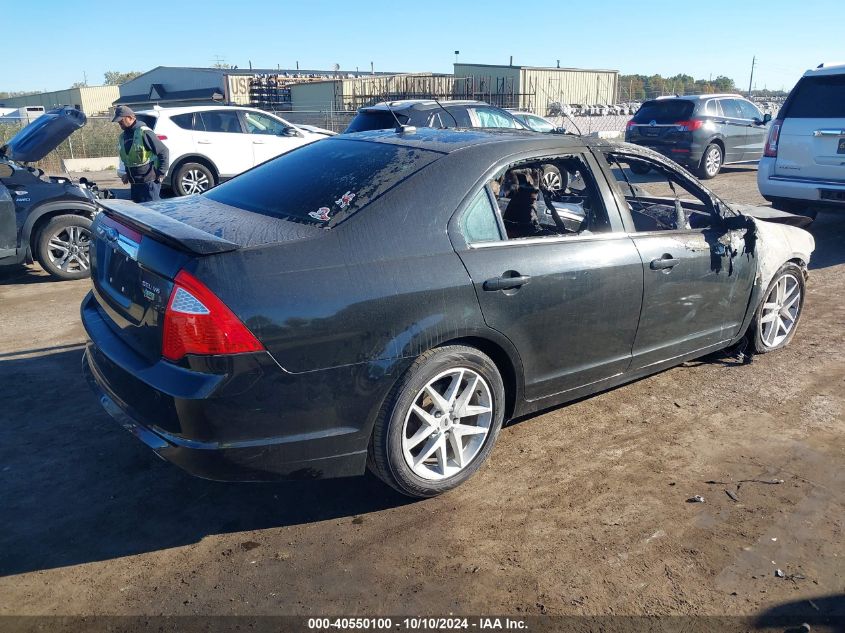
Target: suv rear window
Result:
[817, 98]
[322, 183]
[375, 120]
[664, 111]
[148, 119]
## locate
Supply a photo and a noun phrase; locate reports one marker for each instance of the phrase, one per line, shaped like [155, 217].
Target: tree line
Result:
[640, 87]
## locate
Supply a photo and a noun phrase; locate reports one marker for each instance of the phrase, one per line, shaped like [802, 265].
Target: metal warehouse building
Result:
[533, 88]
[170, 86]
[92, 100]
[353, 93]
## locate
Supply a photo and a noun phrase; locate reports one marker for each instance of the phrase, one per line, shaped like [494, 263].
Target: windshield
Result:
[664, 111]
[375, 120]
[322, 182]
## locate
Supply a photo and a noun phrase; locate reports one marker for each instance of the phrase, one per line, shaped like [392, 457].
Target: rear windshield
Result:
[323, 182]
[375, 120]
[664, 111]
[817, 98]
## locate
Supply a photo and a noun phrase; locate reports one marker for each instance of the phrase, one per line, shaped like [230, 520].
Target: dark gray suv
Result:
[701, 132]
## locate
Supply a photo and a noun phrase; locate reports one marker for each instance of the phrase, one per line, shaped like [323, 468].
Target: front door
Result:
[223, 141]
[8, 227]
[697, 275]
[270, 137]
[569, 299]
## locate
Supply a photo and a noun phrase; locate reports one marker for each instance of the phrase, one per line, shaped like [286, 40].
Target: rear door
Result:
[569, 302]
[221, 138]
[812, 136]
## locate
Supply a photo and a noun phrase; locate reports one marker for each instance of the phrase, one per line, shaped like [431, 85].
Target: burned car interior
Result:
[684, 209]
[529, 207]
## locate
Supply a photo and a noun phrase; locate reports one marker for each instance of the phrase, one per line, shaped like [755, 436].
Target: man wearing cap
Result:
[143, 154]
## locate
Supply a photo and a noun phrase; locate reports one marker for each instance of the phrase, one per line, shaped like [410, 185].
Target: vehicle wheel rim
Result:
[552, 181]
[194, 181]
[713, 161]
[780, 310]
[68, 249]
[447, 424]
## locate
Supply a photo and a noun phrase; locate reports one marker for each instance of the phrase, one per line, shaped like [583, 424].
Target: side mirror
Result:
[289, 131]
[766, 118]
[559, 130]
[6, 170]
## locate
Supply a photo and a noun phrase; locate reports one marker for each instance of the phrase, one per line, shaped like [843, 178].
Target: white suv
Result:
[209, 144]
[803, 164]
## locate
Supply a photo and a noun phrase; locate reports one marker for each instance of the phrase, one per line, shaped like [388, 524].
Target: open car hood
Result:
[43, 135]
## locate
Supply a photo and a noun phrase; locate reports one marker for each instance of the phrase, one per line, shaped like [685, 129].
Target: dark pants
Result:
[145, 191]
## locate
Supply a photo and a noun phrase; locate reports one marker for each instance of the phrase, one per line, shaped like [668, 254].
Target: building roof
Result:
[519, 67]
[158, 93]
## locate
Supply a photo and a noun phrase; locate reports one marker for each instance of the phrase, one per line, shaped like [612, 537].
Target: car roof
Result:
[451, 140]
[199, 108]
[422, 104]
[826, 69]
[699, 97]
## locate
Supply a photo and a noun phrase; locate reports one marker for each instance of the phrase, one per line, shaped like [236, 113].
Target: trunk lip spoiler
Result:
[166, 229]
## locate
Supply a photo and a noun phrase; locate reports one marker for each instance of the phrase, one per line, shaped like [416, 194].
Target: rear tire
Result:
[780, 310]
[439, 423]
[192, 178]
[64, 245]
[711, 162]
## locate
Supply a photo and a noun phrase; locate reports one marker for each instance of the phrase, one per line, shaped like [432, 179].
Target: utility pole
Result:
[750, 79]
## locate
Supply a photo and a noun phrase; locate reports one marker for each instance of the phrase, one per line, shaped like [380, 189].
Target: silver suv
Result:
[803, 166]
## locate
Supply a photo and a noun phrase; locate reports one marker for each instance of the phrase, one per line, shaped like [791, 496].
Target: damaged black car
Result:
[387, 300]
[45, 218]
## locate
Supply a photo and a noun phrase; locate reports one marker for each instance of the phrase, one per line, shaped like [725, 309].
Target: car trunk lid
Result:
[138, 250]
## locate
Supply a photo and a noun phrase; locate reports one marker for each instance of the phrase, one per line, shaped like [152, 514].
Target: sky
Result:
[62, 44]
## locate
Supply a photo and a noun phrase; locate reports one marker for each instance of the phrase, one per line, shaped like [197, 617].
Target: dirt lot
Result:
[581, 509]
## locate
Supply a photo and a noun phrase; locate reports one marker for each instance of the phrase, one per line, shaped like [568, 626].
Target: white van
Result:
[803, 164]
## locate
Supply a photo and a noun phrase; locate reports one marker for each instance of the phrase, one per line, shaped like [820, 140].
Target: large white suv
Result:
[209, 144]
[803, 164]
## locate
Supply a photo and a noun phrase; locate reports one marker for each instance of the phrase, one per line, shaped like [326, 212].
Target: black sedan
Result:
[388, 299]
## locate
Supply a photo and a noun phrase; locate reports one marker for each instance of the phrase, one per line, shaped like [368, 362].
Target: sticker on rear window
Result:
[345, 200]
[321, 214]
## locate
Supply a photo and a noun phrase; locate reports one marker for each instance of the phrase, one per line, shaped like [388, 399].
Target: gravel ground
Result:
[581, 509]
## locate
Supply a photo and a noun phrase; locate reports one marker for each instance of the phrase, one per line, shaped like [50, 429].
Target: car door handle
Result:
[829, 133]
[204, 142]
[258, 142]
[505, 283]
[667, 261]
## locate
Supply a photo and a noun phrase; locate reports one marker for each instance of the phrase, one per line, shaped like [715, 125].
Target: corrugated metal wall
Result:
[567, 86]
[91, 100]
[319, 95]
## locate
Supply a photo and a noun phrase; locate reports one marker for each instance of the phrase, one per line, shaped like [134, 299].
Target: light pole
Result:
[456, 56]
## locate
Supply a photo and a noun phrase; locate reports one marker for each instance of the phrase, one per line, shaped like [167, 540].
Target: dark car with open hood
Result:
[389, 299]
[45, 218]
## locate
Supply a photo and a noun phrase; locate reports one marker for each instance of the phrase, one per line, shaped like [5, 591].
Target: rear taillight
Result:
[689, 126]
[771, 149]
[629, 125]
[197, 322]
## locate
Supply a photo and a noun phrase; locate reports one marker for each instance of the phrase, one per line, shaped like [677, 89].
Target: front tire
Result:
[440, 422]
[64, 246]
[780, 310]
[711, 162]
[192, 178]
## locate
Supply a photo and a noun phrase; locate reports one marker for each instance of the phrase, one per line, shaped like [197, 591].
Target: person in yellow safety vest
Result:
[143, 154]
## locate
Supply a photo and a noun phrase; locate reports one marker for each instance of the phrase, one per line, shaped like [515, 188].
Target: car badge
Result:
[652, 123]
[109, 233]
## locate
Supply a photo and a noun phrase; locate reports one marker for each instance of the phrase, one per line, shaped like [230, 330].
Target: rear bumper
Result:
[253, 422]
[784, 190]
[684, 153]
